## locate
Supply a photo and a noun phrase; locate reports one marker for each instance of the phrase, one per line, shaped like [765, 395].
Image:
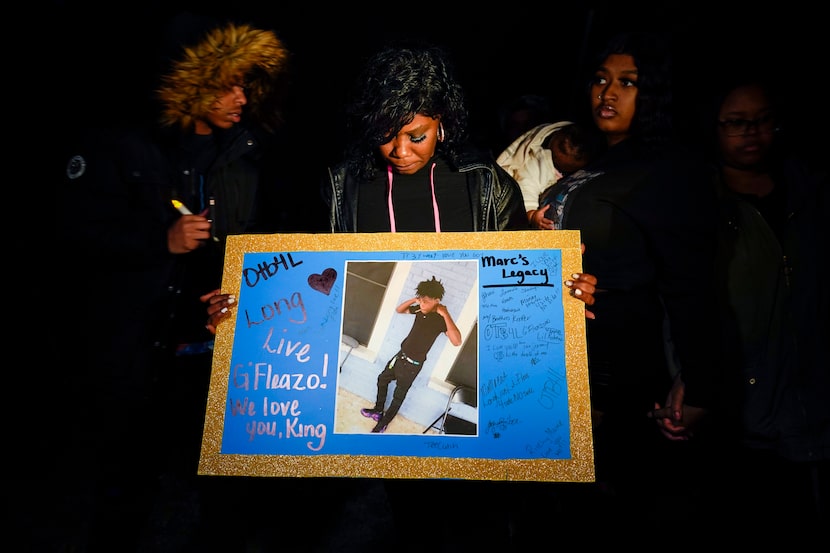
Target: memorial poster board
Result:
[315, 323]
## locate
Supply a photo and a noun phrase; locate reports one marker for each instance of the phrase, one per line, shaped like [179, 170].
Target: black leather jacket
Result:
[499, 206]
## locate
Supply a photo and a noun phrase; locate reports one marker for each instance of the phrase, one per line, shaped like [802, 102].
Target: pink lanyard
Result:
[434, 201]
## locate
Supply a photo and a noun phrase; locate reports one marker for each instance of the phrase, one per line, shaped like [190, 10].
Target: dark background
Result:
[90, 64]
[105, 56]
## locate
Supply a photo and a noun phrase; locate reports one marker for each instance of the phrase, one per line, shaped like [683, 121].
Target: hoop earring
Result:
[440, 133]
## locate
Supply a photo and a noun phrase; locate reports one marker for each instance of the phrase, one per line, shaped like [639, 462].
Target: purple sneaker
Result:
[380, 430]
[371, 414]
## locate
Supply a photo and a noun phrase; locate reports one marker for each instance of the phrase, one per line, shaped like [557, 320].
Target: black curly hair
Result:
[398, 82]
[653, 116]
[430, 288]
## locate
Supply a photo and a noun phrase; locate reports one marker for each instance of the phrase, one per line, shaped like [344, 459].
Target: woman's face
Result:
[613, 97]
[746, 127]
[411, 149]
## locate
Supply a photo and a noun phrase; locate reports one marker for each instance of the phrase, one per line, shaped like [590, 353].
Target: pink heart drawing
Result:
[323, 283]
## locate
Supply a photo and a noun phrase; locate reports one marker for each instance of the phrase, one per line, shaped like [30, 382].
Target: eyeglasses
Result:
[739, 127]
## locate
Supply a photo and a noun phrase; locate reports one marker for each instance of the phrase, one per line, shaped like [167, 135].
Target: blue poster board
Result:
[315, 324]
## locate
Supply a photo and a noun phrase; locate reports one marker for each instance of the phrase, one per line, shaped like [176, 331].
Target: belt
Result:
[403, 356]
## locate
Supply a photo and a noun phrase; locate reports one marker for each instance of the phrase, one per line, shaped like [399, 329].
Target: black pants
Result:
[404, 373]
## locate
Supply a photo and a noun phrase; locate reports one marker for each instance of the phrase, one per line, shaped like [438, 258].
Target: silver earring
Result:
[440, 132]
[599, 97]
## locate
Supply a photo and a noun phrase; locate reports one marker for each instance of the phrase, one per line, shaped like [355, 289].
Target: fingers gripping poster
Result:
[401, 355]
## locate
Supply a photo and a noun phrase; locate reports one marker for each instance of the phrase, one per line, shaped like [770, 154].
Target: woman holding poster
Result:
[409, 168]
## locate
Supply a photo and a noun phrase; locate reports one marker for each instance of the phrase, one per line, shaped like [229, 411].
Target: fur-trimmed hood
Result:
[226, 56]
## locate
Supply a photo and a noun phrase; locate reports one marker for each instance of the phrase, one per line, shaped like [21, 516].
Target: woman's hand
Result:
[218, 306]
[583, 286]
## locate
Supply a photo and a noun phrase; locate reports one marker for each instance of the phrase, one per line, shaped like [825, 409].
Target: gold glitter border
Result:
[580, 468]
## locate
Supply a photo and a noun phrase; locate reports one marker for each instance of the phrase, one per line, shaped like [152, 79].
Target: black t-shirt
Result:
[412, 201]
[425, 330]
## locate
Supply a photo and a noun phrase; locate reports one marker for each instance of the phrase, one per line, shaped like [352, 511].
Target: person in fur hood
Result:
[147, 211]
[235, 55]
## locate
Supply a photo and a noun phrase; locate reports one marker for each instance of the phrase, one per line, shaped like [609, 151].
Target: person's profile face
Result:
[225, 112]
[614, 95]
[411, 149]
